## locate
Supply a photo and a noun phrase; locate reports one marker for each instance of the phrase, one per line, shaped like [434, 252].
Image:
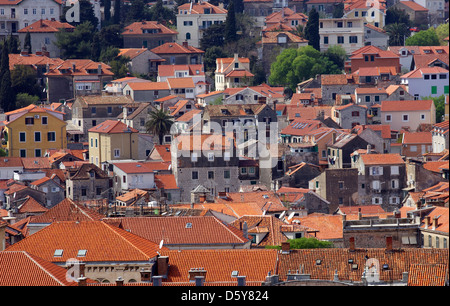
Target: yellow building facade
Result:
[32, 130]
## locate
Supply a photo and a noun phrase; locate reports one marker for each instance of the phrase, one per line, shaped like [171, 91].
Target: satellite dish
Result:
[264, 213]
[161, 244]
[291, 215]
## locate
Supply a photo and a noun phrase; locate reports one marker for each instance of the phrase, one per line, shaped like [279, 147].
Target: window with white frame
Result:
[116, 153]
[395, 170]
[388, 118]
[194, 157]
[210, 157]
[395, 184]
[405, 118]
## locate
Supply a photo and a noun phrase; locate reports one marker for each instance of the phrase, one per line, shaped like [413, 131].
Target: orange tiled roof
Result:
[266, 200]
[235, 209]
[406, 105]
[175, 48]
[336, 260]
[31, 206]
[198, 8]
[142, 86]
[166, 181]
[67, 210]
[101, 241]
[139, 167]
[46, 26]
[424, 274]
[20, 268]
[81, 68]
[174, 231]
[175, 83]
[434, 166]
[112, 127]
[164, 152]
[219, 264]
[138, 28]
[414, 6]
[417, 138]
[441, 213]
[359, 54]
[419, 72]
[327, 226]
[382, 159]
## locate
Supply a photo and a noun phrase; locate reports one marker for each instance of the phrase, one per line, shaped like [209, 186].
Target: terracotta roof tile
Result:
[31, 206]
[327, 226]
[112, 127]
[414, 6]
[138, 28]
[434, 166]
[417, 138]
[142, 167]
[219, 264]
[46, 26]
[266, 200]
[101, 241]
[406, 105]
[19, 268]
[198, 8]
[166, 181]
[67, 210]
[177, 231]
[175, 48]
[423, 274]
[382, 159]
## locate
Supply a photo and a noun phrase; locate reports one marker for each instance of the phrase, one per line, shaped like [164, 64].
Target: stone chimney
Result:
[119, 281]
[359, 214]
[195, 272]
[99, 69]
[245, 229]
[241, 280]
[369, 149]
[2, 235]
[145, 275]
[82, 281]
[351, 240]
[427, 222]
[185, 44]
[199, 281]
[388, 244]
[162, 266]
[157, 280]
[285, 247]
[435, 222]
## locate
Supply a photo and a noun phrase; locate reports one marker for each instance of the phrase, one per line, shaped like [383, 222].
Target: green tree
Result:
[137, 11]
[118, 64]
[238, 6]
[24, 80]
[159, 124]
[293, 66]
[312, 29]
[24, 99]
[161, 14]
[213, 36]
[76, 44]
[305, 243]
[86, 14]
[107, 10]
[338, 10]
[398, 32]
[27, 42]
[439, 103]
[230, 24]
[424, 38]
[117, 12]
[337, 55]
[13, 44]
[7, 93]
[211, 54]
[442, 32]
[396, 15]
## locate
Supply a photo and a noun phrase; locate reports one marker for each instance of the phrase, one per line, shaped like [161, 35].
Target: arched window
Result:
[188, 35]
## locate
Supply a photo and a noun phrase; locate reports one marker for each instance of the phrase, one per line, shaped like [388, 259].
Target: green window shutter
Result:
[446, 89]
[433, 90]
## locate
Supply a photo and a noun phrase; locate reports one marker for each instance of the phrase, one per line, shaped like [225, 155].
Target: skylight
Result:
[189, 225]
[58, 253]
[81, 253]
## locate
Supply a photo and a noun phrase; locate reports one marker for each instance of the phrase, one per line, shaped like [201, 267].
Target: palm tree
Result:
[398, 32]
[159, 124]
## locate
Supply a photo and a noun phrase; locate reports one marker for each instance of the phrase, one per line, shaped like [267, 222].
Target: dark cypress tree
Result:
[238, 6]
[4, 59]
[117, 11]
[107, 10]
[27, 42]
[7, 95]
[312, 29]
[13, 44]
[230, 24]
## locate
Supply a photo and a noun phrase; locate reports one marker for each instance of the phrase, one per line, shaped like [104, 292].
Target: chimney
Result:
[157, 280]
[185, 44]
[369, 149]
[195, 272]
[245, 229]
[162, 267]
[435, 222]
[145, 275]
[119, 281]
[202, 198]
[236, 57]
[73, 67]
[82, 281]
[241, 280]
[388, 243]
[333, 138]
[427, 222]
[199, 280]
[397, 214]
[359, 214]
[2, 235]
[285, 247]
[352, 244]
[99, 69]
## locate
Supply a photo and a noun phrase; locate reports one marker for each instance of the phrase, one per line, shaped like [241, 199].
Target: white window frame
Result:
[395, 170]
[25, 136]
[386, 118]
[116, 153]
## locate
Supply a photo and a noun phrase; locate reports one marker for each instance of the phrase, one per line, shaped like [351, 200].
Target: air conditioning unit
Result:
[36, 116]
